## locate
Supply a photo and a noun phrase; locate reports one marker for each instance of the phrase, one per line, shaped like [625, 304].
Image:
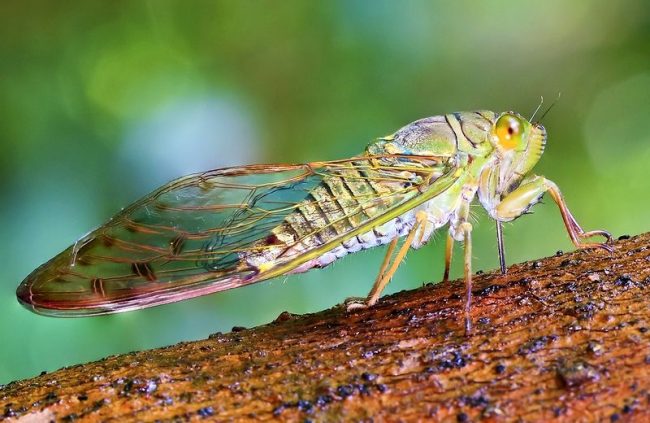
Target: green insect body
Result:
[232, 227]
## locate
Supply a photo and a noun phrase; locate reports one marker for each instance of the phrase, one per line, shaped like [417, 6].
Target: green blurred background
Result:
[101, 102]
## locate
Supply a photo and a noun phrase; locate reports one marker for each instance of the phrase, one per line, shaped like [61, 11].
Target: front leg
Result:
[530, 192]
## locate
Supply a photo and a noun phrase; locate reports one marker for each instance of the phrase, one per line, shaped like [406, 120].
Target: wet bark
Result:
[563, 338]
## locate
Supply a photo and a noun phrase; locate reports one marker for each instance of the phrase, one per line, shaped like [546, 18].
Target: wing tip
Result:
[28, 298]
[24, 295]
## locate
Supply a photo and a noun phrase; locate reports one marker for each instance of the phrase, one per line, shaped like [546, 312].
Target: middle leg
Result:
[460, 229]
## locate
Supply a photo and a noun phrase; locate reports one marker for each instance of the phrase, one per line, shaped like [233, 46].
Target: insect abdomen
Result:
[337, 206]
[380, 235]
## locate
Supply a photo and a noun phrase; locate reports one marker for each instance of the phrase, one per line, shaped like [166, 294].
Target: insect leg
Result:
[387, 272]
[386, 276]
[466, 228]
[502, 250]
[386, 262]
[355, 303]
[575, 231]
[530, 192]
[449, 251]
[461, 230]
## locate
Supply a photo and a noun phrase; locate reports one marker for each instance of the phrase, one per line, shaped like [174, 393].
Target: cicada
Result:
[232, 227]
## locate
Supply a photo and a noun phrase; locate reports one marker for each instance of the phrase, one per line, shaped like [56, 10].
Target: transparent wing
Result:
[227, 228]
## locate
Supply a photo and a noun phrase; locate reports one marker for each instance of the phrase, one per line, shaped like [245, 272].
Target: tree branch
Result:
[564, 337]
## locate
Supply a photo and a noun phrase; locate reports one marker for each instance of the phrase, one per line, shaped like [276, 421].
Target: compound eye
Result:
[508, 130]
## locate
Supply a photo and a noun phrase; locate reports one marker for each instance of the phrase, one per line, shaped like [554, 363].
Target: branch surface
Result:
[563, 338]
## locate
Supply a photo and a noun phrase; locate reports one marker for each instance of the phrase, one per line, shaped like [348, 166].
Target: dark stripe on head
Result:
[452, 130]
[459, 118]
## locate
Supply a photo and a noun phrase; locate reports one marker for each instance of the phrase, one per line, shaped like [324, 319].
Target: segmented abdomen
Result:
[336, 207]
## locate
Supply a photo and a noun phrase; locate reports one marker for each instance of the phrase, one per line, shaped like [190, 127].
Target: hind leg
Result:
[389, 268]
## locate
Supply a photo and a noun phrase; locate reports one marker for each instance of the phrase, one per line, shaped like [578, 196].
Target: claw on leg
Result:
[529, 192]
[576, 233]
[354, 303]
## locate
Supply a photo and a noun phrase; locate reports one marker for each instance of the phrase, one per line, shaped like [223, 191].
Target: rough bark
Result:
[562, 338]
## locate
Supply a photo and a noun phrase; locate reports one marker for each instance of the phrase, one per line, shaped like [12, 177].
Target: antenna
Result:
[551, 106]
[541, 101]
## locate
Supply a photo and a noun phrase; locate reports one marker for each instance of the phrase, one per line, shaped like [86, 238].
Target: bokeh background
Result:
[101, 102]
